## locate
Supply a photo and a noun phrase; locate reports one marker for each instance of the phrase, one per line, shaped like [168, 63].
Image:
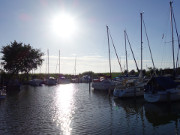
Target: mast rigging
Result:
[115, 51]
[109, 50]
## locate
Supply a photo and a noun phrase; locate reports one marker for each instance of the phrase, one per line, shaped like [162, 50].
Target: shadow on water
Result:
[131, 106]
[102, 93]
[161, 114]
[159, 118]
[130, 113]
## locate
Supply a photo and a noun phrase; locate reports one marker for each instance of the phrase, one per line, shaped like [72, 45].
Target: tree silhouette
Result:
[19, 57]
[132, 72]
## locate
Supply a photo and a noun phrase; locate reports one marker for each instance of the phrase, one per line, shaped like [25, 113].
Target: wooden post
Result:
[89, 82]
[89, 85]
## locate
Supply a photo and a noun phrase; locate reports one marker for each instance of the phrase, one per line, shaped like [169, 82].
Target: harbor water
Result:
[73, 109]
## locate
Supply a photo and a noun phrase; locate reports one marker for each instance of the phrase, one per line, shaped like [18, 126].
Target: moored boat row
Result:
[130, 88]
[155, 89]
[162, 89]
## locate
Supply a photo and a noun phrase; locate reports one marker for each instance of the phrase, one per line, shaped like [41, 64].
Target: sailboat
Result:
[51, 80]
[36, 82]
[61, 79]
[105, 84]
[75, 78]
[131, 87]
[163, 89]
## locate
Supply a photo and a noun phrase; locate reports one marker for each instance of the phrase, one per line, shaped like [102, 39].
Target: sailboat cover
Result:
[160, 83]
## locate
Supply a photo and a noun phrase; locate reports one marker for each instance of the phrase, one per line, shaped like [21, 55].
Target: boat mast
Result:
[126, 50]
[48, 61]
[149, 46]
[115, 51]
[178, 38]
[109, 49]
[171, 14]
[132, 52]
[59, 62]
[75, 66]
[141, 42]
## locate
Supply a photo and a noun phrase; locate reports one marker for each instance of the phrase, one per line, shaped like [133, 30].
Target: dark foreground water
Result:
[73, 109]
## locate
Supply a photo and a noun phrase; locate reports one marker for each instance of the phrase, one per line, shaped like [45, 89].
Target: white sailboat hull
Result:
[128, 92]
[104, 85]
[163, 96]
[51, 82]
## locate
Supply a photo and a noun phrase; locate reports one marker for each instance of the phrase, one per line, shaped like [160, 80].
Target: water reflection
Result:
[73, 109]
[101, 93]
[130, 106]
[161, 114]
[133, 120]
[64, 107]
[164, 117]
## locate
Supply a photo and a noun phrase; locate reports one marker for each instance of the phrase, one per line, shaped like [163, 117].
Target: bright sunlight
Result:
[64, 25]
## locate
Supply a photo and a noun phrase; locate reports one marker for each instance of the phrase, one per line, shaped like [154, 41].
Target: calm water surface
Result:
[72, 109]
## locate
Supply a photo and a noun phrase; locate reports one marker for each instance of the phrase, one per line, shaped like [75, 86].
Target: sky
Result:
[78, 29]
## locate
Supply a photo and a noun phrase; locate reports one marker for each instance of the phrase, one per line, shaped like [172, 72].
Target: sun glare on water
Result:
[65, 107]
[64, 25]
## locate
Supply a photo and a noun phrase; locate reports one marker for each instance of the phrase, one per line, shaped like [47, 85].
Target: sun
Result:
[64, 25]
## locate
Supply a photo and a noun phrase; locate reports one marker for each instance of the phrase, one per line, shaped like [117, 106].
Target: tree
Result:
[19, 57]
[88, 73]
[132, 72]
[125, 72]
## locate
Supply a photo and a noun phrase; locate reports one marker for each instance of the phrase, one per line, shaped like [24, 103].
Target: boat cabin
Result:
[160, 84]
